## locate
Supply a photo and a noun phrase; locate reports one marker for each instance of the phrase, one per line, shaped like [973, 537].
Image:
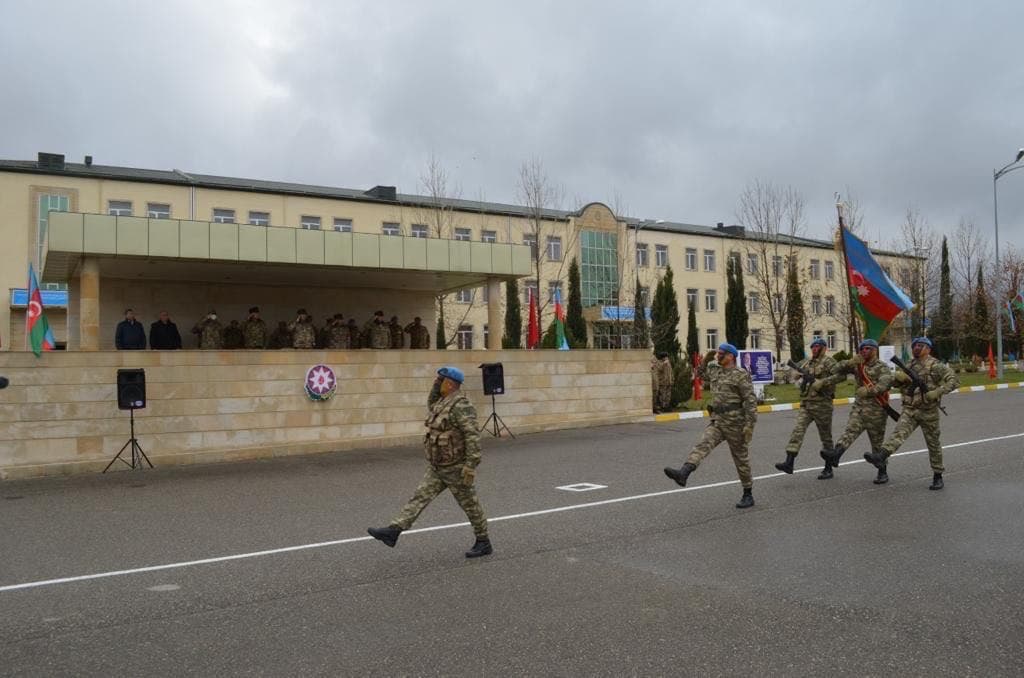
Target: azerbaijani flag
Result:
[37, 329]
[876, 298]
[563, 345]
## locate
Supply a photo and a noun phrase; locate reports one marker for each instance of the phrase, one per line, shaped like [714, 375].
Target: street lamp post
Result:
[1015, 165]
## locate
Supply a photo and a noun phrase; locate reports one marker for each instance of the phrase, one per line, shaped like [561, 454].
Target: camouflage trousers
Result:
[870, 418]
[664, 397]
[434, 482]
[812, 411]
[910, 419]
[713, 436]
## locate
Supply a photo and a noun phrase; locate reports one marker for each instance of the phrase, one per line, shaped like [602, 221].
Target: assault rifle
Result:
[806, 378]
[916, 385]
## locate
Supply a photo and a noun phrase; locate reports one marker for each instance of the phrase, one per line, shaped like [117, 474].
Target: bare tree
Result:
[918, 242]
[970, 250]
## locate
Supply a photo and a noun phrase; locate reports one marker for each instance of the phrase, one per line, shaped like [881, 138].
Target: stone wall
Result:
[60, 415]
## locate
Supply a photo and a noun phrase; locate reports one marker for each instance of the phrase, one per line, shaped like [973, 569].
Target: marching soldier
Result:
[815, 403]
[452, 447]
[869, 406]
[303, 332]
[337, 333]
[254, 331]
[397, 335]
[733, 415]
[211, 334]
[919, 408]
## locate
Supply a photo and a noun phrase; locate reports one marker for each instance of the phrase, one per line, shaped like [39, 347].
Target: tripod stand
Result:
[496, 423]
[137, 453]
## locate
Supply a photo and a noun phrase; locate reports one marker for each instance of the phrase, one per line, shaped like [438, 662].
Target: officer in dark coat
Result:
[129, 335]
[163, 334]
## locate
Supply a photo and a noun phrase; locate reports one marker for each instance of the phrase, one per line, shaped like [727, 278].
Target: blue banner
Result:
[51, 298]
[621, 313]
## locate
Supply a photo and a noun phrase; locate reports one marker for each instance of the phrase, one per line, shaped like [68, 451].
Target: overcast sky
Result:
[672, 107]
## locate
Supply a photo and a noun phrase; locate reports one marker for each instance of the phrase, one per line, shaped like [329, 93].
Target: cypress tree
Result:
[641, 335]
[942, 327]
[665, 317]
[736, 321]
[575, 325]
[439, 331]
[982, 323]
[513, 337]
[795, 315]
[692, 333]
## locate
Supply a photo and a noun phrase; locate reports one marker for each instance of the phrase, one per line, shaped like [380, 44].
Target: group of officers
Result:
[254, 333]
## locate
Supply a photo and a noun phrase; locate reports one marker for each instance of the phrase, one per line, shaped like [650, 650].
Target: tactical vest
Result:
[443, 444]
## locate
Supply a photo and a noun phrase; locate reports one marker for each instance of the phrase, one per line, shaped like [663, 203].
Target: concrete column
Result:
[89, 305]
[495, 326]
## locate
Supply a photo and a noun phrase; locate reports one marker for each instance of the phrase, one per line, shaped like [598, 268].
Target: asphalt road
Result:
[638, 577]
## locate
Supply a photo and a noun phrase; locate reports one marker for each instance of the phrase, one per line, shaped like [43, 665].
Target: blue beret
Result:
[818, 341]
[453, 373]
[868, 342]
[922, 340]
[729, 348]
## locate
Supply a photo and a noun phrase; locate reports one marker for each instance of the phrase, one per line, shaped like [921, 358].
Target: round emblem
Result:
[320, 382]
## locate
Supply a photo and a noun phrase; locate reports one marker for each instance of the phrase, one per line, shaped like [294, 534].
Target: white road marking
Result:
[581, 487]
[164, 587]
[515, 516]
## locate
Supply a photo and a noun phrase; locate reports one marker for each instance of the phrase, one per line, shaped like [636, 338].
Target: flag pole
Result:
[853, 327]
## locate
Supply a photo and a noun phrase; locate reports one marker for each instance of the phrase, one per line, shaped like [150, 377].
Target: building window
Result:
[711, 340]
[530, 240]
[119, 208]
[259, 218]
[691, 298]
[691, 259]
[419, 230]
[222, 216]
[485, 294]
[464, 337]
[709, 260]
[816, 304]
[464, 296]
[753, 302]
[611, 335]
[489, 236]
[463, 234]
[641, 255]
[342, 225]
[487, 334]
[815, 269]
[391, 228]
[830, 270]
[661, 256]
[599, 267]
[554, 248]
[755, 339]
[530, 287]
[158, 210]
[555, 286]
[310, 223]
[752, 263]
[777, 266]
[830, 305]
[710, 301]
[830, 340]
[48, 203]
[777, 303]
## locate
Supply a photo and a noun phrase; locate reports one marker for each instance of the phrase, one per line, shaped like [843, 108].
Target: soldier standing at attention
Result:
[419, 337]
[353, 334]
[303, 332]
[211, 334]
[254, 331]
[337, 333]
[920, 409]
[664, 402]
[815, 404]
[452, 447]
[654, 385]
[733, 415]
[397, 336]
[233, 338]
[868, 414]
[376, 332]
[281, 337]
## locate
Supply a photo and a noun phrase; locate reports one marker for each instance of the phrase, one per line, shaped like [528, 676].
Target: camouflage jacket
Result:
[452, 435]
[211, 335]
[734, 402]
[822, 368]
[419, 337]
[338, 336]
[233, 335]
[936, 375]
[377, 335]
[664, 371]
[303, 334]
[254, 333]
[875, 376]
[397, 336]
[710, 371]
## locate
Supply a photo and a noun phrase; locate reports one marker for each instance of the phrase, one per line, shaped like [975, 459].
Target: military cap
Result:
[453, 373]
[729, 348]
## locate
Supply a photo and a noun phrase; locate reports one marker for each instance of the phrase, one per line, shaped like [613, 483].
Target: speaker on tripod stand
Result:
[131, 396]
[494, 384]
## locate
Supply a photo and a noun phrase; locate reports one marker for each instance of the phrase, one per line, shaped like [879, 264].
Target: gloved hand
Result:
[862, 392]
[901, 377]
[932, 396]
[468, 475]
[857, 360]
[710, 357]
[816, 385]
[748, 433]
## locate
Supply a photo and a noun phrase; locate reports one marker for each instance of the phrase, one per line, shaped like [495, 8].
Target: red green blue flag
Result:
[875, 298]
[37, 329]
[560, 340]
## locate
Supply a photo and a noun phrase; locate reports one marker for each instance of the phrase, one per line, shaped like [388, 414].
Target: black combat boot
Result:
[680, 474]
[826, 473]
[388, 535]
[937, 483]
[747, 500]
[875, 459]
[883, 476]
[787, 466]
[482, 547]
[832, 457]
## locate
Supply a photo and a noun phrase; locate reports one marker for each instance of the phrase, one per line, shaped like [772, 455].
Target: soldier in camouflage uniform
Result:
[815, 404]
[376, 333]
[733, 415]
[868, 414]
[353, 334]
[920, 409]
[281, 337]
[664, 394]
[254, 330]
[452, 447]
[211, 334]
[419, 337]
[303, 331]
[397, 336]
[338, 336]
[233, 336]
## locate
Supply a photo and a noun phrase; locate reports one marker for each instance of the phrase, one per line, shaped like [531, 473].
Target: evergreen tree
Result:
[575, 325]
[795, 316]
[942, 325]
[439, 331]
[982, 323]
[692, 333]
[641, 335]
[513, 337]
[736, 321]
[665, 317]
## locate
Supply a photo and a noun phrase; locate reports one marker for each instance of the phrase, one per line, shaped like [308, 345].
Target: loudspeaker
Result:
[494, 378]
[131, 389]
